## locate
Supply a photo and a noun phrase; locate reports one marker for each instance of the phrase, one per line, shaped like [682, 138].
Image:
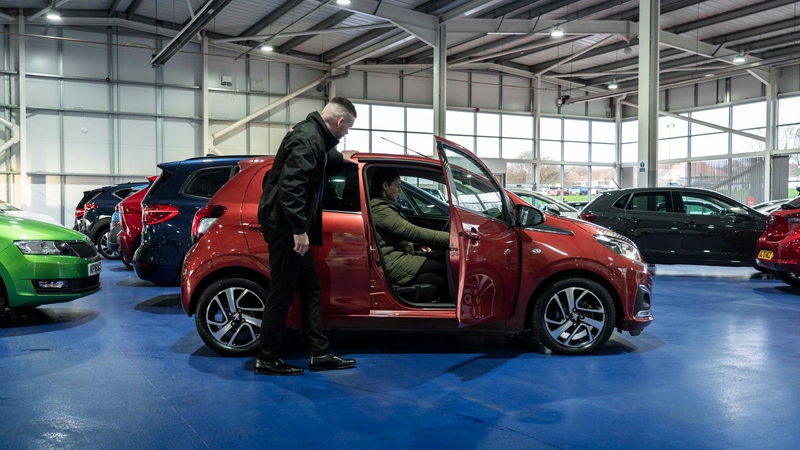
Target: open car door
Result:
[484, 244]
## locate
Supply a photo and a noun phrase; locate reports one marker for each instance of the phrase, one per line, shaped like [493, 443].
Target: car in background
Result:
[96, 221]
[570, 281]
[42, 263]
[778, 248]
[545, 203]
[80, 207]
[578, 204]
[11, 210]
[130, 224]
[182, 188]
[113, 242]
[769, 206]
[680, 225]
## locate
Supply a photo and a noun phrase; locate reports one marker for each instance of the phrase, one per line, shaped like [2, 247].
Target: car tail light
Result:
[792, 218]
[155, 214]
[204, 219]
[90, 205]
[79, 213]
[589, 217]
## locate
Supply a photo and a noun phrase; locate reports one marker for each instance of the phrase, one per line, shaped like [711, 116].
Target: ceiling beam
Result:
[730, 15]
[774, 41]
[544, 9]
[133, 7]
[335, 19]
[399, 39]
[423, 26]
[755, 31]
[270, 18]
[471, 8]
[355, 43]
[113, 8]
[510, 8]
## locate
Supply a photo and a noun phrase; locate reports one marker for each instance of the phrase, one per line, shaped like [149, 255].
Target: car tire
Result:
[761, 269]
[127, 264]
[789, 278]
[574, 316]
[228, 316]
[102, 245]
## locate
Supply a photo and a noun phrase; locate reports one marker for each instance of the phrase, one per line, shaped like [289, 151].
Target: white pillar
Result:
[649, 12]
[440, 83]
[537, 129]
[772, 130]
[24, 197]
[206, 129]
[617, 139]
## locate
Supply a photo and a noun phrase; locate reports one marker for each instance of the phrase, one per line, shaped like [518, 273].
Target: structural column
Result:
[537, 130]
[23, 114]
[649, 11]
[440, 83]
[772, 130]
[206, 129]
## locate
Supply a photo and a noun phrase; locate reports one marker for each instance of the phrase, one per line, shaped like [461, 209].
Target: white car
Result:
[11, 210]
[546, 203]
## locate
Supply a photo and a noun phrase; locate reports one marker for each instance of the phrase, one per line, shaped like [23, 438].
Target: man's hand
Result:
[301, 243]
[347, 154]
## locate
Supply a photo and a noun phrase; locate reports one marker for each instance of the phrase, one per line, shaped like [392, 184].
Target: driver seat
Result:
[418, 293]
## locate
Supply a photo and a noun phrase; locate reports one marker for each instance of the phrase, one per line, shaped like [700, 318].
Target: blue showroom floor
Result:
[125, 368]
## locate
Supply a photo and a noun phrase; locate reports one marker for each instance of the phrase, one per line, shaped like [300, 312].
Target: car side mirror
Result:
[528, 216]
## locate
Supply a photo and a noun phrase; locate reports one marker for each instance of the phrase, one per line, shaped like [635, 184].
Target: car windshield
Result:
[7, 207]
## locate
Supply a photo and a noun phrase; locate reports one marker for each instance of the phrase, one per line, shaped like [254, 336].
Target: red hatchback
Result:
[778, 248]
[130, 218]
[570, 281]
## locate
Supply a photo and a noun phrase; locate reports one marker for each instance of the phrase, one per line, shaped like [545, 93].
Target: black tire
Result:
[789, 278]
[3, 301]
[574, 316]
[761, 269]
[127, 264]
[102, 245]
[235, 306]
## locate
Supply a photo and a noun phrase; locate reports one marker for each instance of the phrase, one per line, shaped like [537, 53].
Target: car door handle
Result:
[254, 226]
[472, 235]
[633, 220]
[691, 224]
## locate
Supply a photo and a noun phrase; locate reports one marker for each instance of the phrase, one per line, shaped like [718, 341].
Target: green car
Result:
[42, 263]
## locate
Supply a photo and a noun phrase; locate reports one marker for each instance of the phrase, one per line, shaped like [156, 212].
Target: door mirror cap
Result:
[528, 216]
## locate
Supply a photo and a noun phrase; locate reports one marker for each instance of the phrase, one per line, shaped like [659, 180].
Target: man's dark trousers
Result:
[290, 273]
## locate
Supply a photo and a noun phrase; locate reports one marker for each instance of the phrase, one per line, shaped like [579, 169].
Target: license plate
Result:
[765, 254]
[94, 268]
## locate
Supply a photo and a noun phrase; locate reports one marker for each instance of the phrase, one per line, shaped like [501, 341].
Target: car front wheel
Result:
[789, 278]
[102, 245]
[228, 316]
[574, 316]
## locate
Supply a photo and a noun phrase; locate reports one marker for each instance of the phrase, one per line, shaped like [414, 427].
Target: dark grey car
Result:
[681, 225]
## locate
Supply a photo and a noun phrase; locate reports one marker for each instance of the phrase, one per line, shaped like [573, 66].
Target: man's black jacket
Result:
[290, 201]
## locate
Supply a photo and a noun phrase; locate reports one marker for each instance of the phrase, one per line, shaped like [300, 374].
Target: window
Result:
[206, 182]
[550, 128]
[459, 122]
[718, 116]
[699, 204]
[576, 130]
[604, 132]
[473, 188]
[515, 126]
[488, 124]
[388, 118]
[419, 120]
[423, 198]
[341, 191]
[651, 202]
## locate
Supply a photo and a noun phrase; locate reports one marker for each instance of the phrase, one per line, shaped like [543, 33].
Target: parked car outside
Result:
[513, 269]
[97, 214]
[545, 203]
[578, 204]
[42, 263]
[778, 248]
[182, 188]
[681, 225]
[11, 210]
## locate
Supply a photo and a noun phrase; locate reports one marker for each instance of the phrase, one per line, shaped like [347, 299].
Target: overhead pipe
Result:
[330, 78]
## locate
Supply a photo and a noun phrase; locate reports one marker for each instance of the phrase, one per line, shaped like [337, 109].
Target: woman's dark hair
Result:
[381, 176]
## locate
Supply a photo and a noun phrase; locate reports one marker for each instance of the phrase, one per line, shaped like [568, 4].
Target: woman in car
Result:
[405, 263]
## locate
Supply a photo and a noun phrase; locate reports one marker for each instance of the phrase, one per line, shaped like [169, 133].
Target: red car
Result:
[778, 248]
[572, 282]
[130, 218]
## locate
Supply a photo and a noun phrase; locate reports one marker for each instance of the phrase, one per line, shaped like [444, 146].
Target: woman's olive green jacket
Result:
[396, 238]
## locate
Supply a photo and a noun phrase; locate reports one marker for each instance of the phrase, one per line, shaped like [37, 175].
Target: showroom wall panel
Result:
[183, 102]
[85, 59]
[300, 107]
[185, 68]
[382, 87]
[745, 87]
[182, 139]
[132, 62]
[43, 53]
[226, 105]
[485, 91]
[43, 92]
[789, 79]
[233, 143]
[516, 93]
[223, 64]
[418, 88]
[711, 93]
[85, 95]
[137, 145]
[681, 98]
[549, 94]
[89, 151]
[300, 76]
[44, 141]
[457, 89]
[276, 114]
[265, 138]
[45, 193]
[352, 86]
[267, 76]
[136, 99]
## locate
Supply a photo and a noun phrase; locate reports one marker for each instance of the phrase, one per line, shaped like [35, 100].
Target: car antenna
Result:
[615, 183]
[400, 145]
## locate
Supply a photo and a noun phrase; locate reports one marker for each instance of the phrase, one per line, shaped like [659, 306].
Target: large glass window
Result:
[576, 130]
[460, 122]
[388, 118]
[550, 128]
[488, 124]
[718, 116]
[419, 120]
[517, 148]
[604, 132]
[516, 126]
[789, 123]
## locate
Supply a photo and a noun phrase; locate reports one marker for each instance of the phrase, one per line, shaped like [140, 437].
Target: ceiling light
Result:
[506, 33]
[709, 75]
[613, 84]
[53, 15]
[342, 2]
[739, 57]
[557, 32]
[267, 48]
[627, 50]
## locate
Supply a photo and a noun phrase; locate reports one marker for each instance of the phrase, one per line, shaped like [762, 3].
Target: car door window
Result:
[650, 202]
[473, 189]
[418, 197]
[706, 205]
[342, 191]
[205, 183]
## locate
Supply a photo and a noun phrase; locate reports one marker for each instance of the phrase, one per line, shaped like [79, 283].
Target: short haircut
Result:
[382, 175]
[345, 103]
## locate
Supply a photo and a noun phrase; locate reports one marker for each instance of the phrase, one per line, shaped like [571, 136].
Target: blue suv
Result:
[168, 210]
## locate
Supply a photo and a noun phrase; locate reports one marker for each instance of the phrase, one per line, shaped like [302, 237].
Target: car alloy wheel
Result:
[228, 316]
[574, 316]
[102, 246]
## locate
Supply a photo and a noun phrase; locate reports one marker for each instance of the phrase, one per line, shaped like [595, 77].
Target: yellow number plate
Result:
[765, 254]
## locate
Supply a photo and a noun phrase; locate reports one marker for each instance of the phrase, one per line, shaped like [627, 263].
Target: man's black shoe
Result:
[277, 367]
[330, 362]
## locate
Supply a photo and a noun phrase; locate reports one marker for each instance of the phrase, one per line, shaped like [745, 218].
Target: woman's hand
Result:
[425, 248]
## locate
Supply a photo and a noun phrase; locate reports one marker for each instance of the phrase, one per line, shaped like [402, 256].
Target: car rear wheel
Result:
[228, 316]
[102, 245]
[574, 316]
[789, 278]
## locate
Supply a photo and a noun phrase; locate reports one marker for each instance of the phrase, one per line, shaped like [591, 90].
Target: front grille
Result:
[76, 286]
[82, 249]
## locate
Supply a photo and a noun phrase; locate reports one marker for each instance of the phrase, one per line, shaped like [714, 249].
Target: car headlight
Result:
[620, 247]
[43, 247]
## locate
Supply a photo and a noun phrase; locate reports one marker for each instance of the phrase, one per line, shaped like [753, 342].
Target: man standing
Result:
[290, 214]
